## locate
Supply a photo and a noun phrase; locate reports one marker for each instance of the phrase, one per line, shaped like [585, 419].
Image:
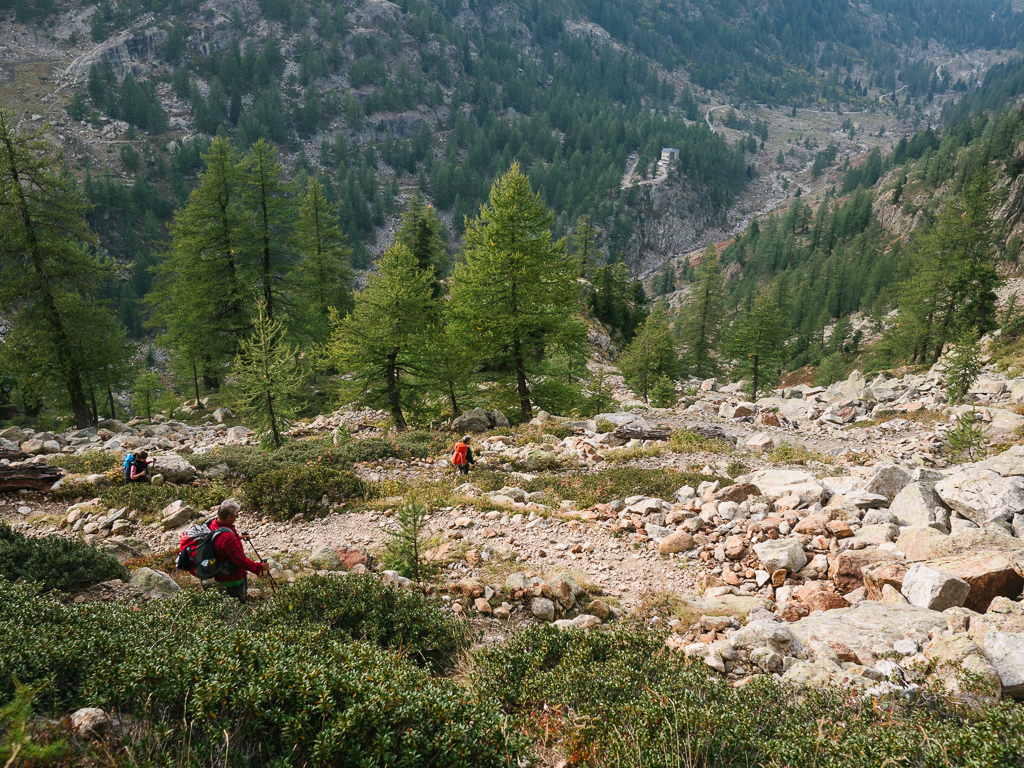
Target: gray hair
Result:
[228, 507]
[466, 438]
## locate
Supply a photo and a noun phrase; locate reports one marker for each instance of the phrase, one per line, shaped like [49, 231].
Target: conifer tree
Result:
[381, 342]
[758, 338]
[700, 318]
[423, 233]
[198, 297]
[325, 275]
[48, 274]
[268, 376]
[516, 291]
[267, 242]
[651, 355]
[586, 247]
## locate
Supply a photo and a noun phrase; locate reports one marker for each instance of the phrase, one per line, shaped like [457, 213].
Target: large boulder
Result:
[1009, 463]
[739, 606]
[776, 554]
[1006, 653]
[778, 483]
[931, 588]
[955, 655]
[987, 574]
[919, 542]
[115, 426]
[1003, 615]
[846, 570]
[155, 585]
[174, 468]
[884, 574]
[981, 495]
[970, 542]
[473, 420]
[867, 625]
[914, 504]
[769, 634]
[176, 514]
[888, 480]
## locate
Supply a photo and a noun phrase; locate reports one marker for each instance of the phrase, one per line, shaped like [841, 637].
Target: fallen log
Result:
[33, 477]
[713, 433]
[629, 432]
[13, 455]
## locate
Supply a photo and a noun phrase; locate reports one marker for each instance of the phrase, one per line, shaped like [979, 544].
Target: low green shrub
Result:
[54, 563]
[285, 682]
[285, 493]
[422, 443]
[149, 499]
[251, 461]
[87, 463]
[689, 441]
[364, 608]
[622, 698]
[793, 453]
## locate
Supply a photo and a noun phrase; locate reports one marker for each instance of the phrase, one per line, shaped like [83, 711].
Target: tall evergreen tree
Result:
[267, 242]
[48, 273]
[651, 354]
[758, 338]
[700, 318]
[423, 233]
[325, 274]
[952, 288]
[516, 291]
[199, 297]
[586, 246]
[268, 376]
[382, 341]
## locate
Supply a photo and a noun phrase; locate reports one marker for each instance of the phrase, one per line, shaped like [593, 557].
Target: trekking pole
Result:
[269, 575]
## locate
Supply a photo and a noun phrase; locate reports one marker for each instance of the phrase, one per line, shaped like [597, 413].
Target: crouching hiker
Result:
[214, 550]
[462, 455]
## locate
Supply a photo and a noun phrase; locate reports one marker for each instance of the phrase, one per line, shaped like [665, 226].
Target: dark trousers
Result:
[239, 591]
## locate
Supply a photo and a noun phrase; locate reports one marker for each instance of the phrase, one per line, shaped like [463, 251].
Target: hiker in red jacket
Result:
[229, 547]
[462, 455]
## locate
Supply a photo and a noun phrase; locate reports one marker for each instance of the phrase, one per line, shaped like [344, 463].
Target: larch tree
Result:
[516, 291]
[268, 376]
[268, 235]
[700, 319]
[586, 247]
[382, 341]
[423, 233]
[325, 276]
[199, 299]
[758, 342]
[651, 354]
[48, 272]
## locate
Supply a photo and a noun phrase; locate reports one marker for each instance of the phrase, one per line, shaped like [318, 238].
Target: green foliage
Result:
[830, 370]
[424, 234]
[87, 463]
[663, 392]
[267, 376]
[285, 493]
[969, 438]
[382, 341]
[598, 396]
[794, 453]
[149, 499]
[320, 676]
[700, 318]
[962, 367]
[147, 387]
[59, 340]
[689, 441]
[251, 462]
[633, 702]
[54, 563]
[406, 548]
[18, 734]
[515, 300]
[758, 341]
[617, 300]
[651, 355]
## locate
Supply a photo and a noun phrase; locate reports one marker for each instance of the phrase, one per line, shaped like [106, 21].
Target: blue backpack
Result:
[126, 465]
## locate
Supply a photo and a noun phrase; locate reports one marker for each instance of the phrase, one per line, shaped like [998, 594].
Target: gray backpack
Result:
[197, 551]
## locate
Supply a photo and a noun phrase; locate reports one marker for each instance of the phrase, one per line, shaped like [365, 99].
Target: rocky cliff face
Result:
[672, 218]
[135, 51]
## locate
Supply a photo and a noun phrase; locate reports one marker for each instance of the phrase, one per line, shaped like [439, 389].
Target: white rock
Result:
[930, 588]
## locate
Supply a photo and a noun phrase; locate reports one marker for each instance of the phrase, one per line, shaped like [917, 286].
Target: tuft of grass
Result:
[689, 441]
[790, 453]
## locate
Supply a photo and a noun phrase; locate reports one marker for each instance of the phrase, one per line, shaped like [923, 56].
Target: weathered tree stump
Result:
[34, 477]
[629, 432]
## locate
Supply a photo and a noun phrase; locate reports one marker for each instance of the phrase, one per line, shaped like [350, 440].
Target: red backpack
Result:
[459, 454]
